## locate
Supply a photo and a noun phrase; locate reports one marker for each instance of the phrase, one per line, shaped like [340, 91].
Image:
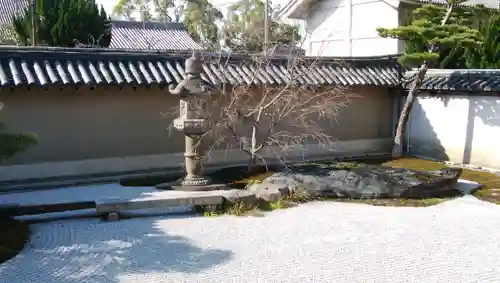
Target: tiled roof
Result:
[151, 36]
[124, 34]
[43, 66]
[9, 8]
[7, 35]
[457, 80]
[75, 66]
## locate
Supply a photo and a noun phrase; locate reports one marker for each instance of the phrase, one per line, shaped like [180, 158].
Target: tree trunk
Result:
[253, 145]
[397, 149]
[252, 162]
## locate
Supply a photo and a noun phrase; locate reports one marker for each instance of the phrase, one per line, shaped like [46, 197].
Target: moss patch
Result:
[13, 236]
[491, 182]
[490, 191]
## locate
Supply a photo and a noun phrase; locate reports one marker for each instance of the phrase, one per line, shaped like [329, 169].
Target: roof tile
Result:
[458, 80]
[81, 66]
[130, 35]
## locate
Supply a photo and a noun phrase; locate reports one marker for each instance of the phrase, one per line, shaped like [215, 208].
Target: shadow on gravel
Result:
[92, 251]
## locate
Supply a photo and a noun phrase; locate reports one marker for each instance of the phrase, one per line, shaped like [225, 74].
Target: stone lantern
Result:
[193, 93]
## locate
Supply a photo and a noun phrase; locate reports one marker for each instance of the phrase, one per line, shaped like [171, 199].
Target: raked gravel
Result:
[456, 242]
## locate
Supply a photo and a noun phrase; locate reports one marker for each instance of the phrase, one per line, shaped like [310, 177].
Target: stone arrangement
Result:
[320, 180]
[365, 181]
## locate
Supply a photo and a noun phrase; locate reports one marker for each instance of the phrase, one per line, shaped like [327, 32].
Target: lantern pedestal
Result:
[193, 93]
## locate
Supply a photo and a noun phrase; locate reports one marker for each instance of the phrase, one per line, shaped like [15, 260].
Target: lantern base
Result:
[189, 186]
[196, 181]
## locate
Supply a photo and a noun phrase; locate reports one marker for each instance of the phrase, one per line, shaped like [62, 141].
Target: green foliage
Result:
[427, 40]
[487, 55]
[65, 23]
[210, 214]
[126, 8]
[199, 16]
[164, 8]
[481, 54]
[11, 144]
[244, 28]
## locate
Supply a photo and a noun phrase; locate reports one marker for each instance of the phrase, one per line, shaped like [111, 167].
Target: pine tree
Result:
[430, 38]
[65, 23]
[469, 16]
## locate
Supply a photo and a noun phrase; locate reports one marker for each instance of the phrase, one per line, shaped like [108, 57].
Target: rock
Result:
[269, 195]
[269, 192]
[367, 181]
[233, 196]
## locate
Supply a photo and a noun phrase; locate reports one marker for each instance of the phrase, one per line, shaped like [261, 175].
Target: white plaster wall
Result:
[463, 129]
[348, 28]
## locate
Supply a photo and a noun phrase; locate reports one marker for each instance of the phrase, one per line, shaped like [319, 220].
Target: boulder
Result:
[367, 181]
[234, 196]
[268, 192]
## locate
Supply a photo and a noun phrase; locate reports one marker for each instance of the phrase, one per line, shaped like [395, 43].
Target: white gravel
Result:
[458, 241]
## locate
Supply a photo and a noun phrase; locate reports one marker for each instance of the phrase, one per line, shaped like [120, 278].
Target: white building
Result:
[348, 27]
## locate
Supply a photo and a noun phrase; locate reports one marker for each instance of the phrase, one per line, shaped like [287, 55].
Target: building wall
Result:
[80, 124]
[464, 129]
[76, 126]
[348, 28]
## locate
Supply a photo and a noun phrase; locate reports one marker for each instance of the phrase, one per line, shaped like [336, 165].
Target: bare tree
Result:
[269, 115]
[284, 114]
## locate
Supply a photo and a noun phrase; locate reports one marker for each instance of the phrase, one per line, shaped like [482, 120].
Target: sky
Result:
[108, 5]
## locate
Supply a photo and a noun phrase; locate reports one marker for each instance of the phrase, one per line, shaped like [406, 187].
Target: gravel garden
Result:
[305, 188]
